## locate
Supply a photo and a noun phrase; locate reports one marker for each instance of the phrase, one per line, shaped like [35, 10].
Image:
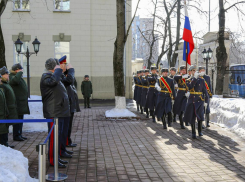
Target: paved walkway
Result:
[139, 150]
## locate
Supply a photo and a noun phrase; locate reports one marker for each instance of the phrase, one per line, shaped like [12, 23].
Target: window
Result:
[21, 5]
[21, 58]
[61, 49]
[62, 5]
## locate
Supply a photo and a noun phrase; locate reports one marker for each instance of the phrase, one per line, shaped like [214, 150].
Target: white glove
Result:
[172, 102]
[158, 87]
[202, 73]
[176, 85]
[196, 75]
[185, 76]
[205, 104]
[187, 94]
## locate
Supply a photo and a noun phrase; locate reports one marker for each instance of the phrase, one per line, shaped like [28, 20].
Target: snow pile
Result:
[229, 113]
[119, 113]
[13, 166]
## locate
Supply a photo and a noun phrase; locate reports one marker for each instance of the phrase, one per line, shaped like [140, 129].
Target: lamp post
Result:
[18, 46]
[207, 55]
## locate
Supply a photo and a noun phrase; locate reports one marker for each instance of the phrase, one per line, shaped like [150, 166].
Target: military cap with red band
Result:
[63, 60]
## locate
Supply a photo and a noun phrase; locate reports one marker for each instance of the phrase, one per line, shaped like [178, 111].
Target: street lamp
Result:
[18, 46]
[207, 55]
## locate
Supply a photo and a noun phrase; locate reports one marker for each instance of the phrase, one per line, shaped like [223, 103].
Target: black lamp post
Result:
[18, 46]
[207, 55]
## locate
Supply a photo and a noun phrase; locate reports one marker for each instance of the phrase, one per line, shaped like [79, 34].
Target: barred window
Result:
[62, 5]
[21, 5]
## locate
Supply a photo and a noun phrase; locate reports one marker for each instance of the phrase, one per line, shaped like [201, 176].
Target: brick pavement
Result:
[139, 150]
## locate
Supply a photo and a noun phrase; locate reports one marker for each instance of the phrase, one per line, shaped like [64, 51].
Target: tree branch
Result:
[233, 5]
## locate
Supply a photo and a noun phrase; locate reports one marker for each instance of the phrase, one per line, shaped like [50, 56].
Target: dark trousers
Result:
[4, 139]
[64, 134]
[69, 141]
[51, 139]
[17, 128]
[86, 101]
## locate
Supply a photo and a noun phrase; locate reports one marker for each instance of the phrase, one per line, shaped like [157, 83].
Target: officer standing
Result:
[4, 128]
[19, 86]
[135, 87]
[145, 87]
[151, 99]
[206, 78]
[180, 101]
[195, 105]
[9, 95]
[139, 91]
[165, 99]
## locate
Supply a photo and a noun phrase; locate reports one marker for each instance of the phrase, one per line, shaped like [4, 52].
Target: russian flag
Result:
[188, 39]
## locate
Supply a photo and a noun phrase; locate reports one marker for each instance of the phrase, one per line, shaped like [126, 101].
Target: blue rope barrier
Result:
[34, 100]
[26, 121]
[49, 134]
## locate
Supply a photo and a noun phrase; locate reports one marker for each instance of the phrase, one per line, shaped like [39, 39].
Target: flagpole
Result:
[186, 50]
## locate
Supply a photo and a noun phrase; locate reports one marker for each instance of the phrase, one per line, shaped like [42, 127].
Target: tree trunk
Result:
[3, 5]
[119, 50]
[175, 55]
[221, 54]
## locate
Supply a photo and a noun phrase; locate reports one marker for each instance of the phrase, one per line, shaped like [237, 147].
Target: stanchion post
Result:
[56, 176]
[42, 162]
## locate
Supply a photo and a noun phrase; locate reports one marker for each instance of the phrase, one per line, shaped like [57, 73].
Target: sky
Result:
[198, 22]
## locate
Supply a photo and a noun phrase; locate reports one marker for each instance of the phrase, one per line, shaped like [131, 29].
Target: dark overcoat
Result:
[135, 88]
[10, 100]
[180, 100]
[151, 99]
[86, 88]
[164, 99]
[195, 103]
[145, 87]
[210, 91]
[19, 86]
[3, 113]
[139, 90]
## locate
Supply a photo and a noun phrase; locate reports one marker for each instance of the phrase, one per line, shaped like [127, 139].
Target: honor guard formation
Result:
[168, 94]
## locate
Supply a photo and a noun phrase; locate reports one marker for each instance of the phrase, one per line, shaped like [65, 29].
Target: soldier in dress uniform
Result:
[136, 86]
[202, 70]
[139, 91]
[145, 87]
[165, 99]
[195, 105]
[172, 74]
[180, 101]
[151, 98]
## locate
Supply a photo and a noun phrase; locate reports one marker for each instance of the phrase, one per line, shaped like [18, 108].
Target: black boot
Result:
[186, 122]
[193, 129]
[169, 119]
[141, 110]
[207, 116]
[138, 109]
[174, 118]
[147, 113]
[152, 113]
[153, 119]
[164, 122]
[181, 122]
[200, 128]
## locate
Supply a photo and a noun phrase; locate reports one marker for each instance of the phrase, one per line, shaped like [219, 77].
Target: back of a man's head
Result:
[50, 64]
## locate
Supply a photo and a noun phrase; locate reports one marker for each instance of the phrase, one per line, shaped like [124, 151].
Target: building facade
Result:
[83, 30]
[140, 43]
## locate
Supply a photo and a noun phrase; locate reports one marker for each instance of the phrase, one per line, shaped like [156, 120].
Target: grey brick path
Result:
[139, 150]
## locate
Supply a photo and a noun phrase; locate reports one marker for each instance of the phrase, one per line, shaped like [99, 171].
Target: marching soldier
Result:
[165, 99]
[136, 87]
[151, 99]
[139, 91]
[172, 74]
[195, 105]
[145, 87]
[206, 78]
[180, 101]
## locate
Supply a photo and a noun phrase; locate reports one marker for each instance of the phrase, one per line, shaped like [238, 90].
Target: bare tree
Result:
[3, 4]
[119, 45]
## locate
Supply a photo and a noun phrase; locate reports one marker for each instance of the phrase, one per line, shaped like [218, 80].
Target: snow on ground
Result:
[13, 166]
[229, 113]
[36, 110]
[117, 113]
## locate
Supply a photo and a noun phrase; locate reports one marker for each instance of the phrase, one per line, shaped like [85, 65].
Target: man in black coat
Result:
[55, 103]
[19, 86]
